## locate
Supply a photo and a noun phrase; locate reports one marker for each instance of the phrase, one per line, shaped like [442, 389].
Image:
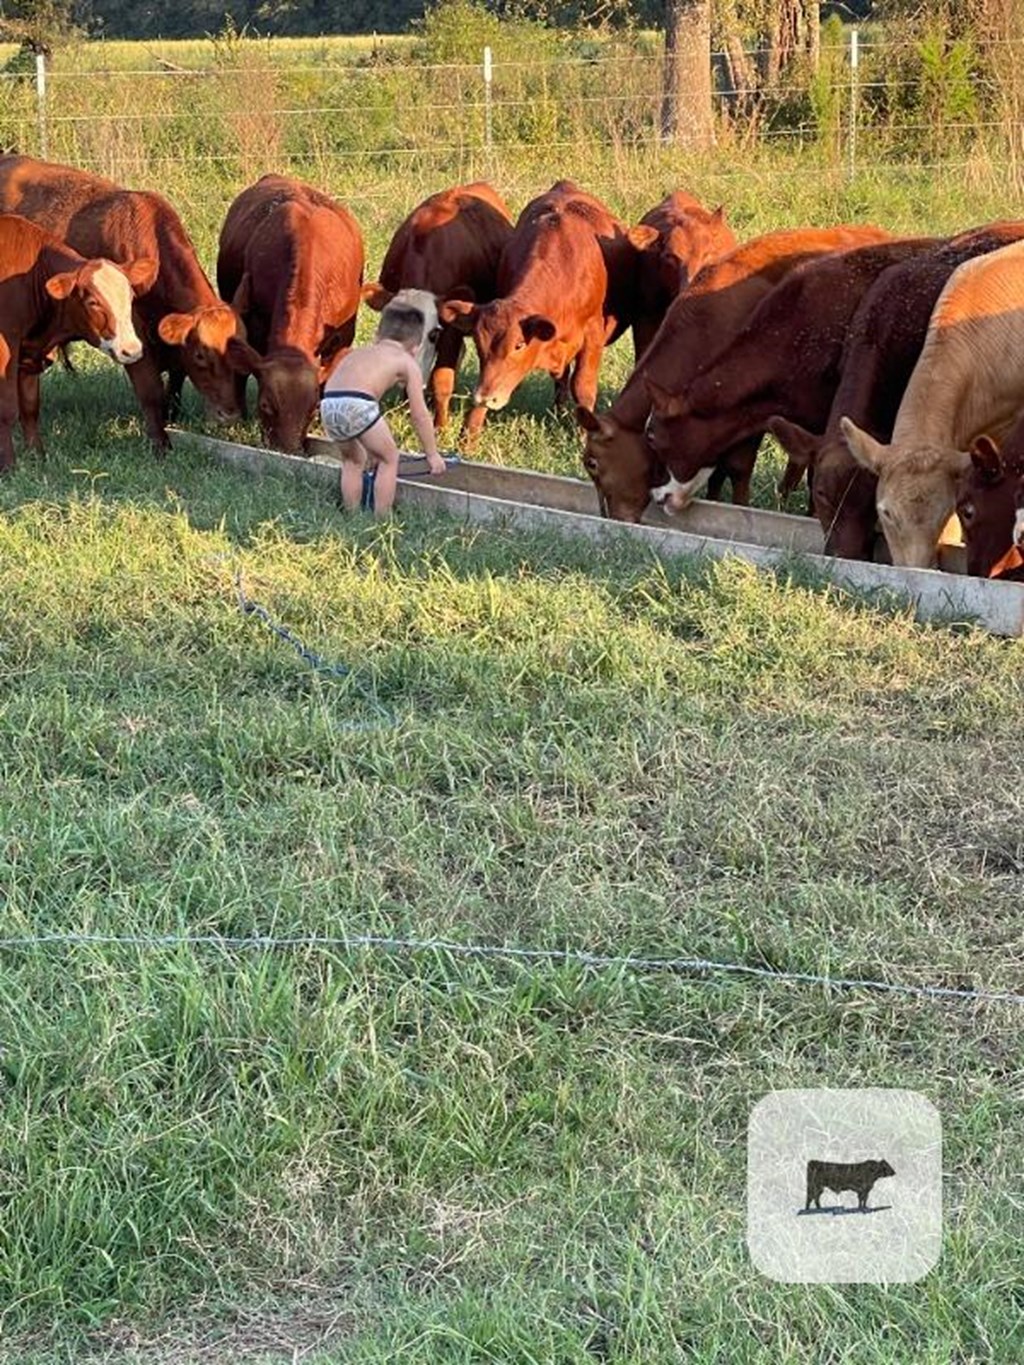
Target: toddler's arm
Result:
[421, 419]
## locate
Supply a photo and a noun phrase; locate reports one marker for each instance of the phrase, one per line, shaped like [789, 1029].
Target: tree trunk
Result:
[686, 116]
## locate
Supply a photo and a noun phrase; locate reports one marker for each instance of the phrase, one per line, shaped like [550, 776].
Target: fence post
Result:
[488, 73]
[854, 65]
[41, 102]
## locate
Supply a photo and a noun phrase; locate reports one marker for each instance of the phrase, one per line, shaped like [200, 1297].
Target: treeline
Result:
[305, 18]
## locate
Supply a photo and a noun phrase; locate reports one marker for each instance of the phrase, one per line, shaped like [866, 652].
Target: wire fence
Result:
[863, 104]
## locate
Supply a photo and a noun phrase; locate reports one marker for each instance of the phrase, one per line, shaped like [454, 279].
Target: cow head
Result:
[679, 254]
[289, 391]
[842, 494]
[985, 506]
[96, 304]
[203, 337]
[669, 433]
[621, 465]
[916, 491]
[509, 343]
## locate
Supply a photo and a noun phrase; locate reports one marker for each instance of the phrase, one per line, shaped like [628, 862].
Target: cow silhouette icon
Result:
[837, 1176]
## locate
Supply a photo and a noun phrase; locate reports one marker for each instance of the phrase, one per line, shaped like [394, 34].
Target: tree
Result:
[686, 114]
[38, 25]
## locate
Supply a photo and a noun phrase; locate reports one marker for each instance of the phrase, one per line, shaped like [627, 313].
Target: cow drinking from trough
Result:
[968, 381]
[50, 295]
[987, 498]
[883, 346]
[183, 325]
[785, 360]
[291, 262]
[567, 288]
[713, 308]
[450, 245]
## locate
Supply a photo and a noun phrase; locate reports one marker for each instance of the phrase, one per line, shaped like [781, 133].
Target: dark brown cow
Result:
[881, 353]
[686, 236]
[451, 245]
[291, 262]
[184, 327]
[698, 324]
[50, 295]
[987, 501]
[785, 360]
[567, 288]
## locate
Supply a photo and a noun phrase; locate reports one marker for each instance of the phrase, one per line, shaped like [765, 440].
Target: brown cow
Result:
[881, 351]
[184, 327]
[698, 324]
[291, 262]
[685, 237]
[50, 295]
[567, 288]
[969, 380]
[986, 505]
[786, 360]
[449, 245]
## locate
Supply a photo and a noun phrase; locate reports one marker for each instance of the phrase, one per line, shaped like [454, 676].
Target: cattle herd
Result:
[888, 368]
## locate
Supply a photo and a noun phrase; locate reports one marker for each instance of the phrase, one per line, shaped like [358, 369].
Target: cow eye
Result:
[590, 463]
[966, 512]
[433, 334]
[519, 346]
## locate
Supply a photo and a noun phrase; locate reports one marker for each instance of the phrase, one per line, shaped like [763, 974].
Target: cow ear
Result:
[459, 313]
[464, 292]
[375, 296]
[242, 300]
[175, 327]
[589, 421]
[642, 236]
[665, 404]
[986, 460]
[536, 327]
[142, 274]
[242, 358]
[60, 286]
[799, 444]
[868, 452]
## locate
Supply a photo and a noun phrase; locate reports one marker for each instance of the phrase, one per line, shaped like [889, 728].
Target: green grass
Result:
[371, 1157]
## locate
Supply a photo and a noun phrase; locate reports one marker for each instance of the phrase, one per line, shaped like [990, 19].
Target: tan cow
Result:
[968, 381]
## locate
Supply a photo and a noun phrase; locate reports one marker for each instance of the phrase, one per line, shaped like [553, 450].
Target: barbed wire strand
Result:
[509, 952]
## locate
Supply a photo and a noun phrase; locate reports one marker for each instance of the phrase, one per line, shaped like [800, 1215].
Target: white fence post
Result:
[854, 64]
[488, 74]
[41, 102]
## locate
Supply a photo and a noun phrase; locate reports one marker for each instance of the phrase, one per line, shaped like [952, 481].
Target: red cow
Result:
[881, 352]
[987, 502]
[449, 245]
[686, 236]
[184, 327]
[698, 324]
[567, 288]
[786, 360]
[291, 262]
[50, 295]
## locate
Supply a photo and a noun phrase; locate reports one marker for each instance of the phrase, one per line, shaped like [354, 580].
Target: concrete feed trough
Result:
[516, 498]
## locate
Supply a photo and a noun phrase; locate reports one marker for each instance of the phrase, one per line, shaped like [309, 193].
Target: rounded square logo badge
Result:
[844, 1186]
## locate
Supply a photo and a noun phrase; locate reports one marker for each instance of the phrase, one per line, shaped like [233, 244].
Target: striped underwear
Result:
[346, 414]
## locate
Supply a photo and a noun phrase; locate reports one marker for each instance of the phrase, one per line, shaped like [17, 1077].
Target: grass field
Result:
[350, 1156]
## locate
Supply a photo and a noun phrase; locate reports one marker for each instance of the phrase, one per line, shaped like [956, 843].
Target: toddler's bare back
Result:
[371, 369]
